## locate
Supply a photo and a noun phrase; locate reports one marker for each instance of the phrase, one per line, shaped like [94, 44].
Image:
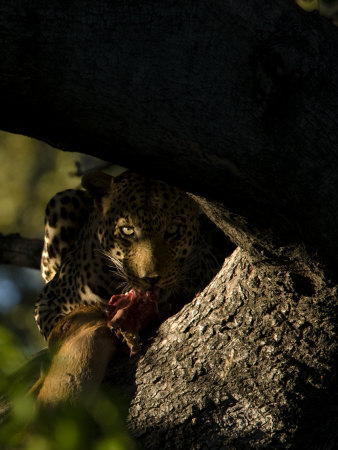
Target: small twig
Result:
[20, 251]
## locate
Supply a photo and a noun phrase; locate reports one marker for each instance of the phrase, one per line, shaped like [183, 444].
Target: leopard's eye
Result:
[127, 231]
[172, 229]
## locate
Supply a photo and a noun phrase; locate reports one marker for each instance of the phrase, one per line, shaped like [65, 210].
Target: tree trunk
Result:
[248, 364]
[237, 103]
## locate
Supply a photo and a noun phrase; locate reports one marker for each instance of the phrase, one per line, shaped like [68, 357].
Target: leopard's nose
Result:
[151, 279]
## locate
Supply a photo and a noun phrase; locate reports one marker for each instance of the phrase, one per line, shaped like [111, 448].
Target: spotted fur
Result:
[118, 234]
[64, 216]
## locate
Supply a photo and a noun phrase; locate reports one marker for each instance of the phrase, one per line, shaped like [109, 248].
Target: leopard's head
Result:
[146, 229]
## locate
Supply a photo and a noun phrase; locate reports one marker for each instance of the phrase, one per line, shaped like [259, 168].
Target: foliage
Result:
[31, 173]
[327, 8]
[97, 423]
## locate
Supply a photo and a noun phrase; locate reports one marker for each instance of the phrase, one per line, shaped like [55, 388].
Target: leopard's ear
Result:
[97, 184]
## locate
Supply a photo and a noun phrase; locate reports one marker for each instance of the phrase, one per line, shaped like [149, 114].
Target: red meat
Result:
[130, 313]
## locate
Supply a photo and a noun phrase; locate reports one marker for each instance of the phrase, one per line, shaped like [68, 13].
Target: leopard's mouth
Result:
[152, 284]
[161, 294]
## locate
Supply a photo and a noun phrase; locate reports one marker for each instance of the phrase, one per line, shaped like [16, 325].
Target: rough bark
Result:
[235, 102]
[248, 364]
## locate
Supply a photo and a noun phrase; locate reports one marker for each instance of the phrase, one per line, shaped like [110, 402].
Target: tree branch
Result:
[20, 251]
[234, 101]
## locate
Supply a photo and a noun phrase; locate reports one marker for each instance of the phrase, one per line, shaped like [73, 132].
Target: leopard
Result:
[121, 233]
